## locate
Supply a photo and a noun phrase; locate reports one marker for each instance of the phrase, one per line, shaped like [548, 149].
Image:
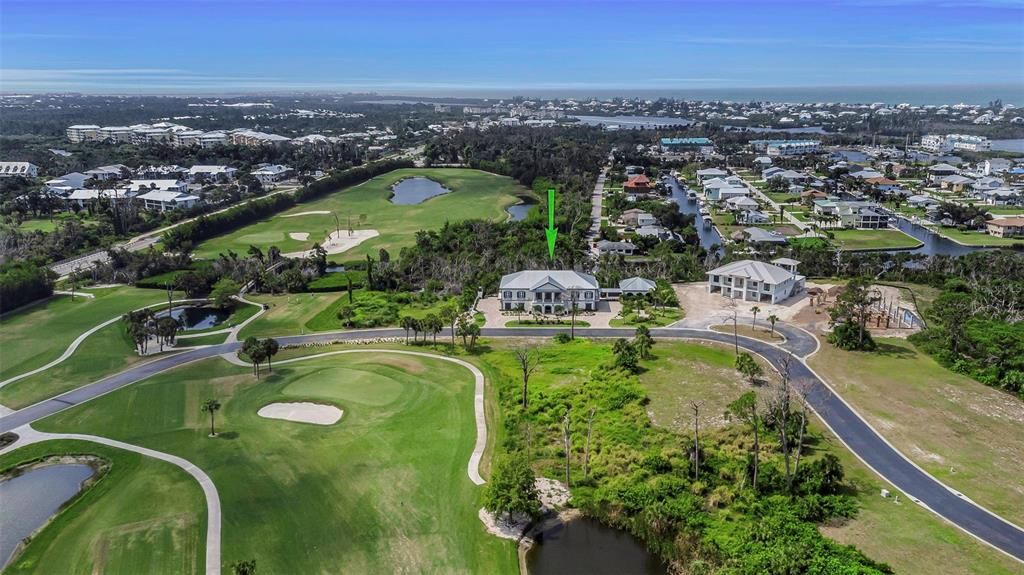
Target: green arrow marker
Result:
[552, 232]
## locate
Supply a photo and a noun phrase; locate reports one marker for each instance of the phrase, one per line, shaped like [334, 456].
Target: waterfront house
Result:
[751, 280]
[956, 183]
[548, 291]
[1005, 227]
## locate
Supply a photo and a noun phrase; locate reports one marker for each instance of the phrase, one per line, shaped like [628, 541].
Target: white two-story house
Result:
[750, 280]
[548, 291]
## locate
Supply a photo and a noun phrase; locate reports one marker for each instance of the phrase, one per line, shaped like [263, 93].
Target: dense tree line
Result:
[22, 283]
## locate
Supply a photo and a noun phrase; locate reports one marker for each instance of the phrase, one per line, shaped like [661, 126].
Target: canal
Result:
[709, 236]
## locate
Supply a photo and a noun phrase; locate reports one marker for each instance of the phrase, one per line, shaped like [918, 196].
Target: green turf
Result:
[474, 194]
[851, 240]
[143, 516]
[383, 491]
[976, 238]
[39, 334]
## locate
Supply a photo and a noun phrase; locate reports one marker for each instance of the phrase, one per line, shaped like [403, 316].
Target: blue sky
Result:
[146, 46]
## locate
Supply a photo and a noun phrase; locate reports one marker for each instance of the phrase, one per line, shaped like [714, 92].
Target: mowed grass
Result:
[474, 195]
[143, 516]
[287, 313]
[976, 238]
[385, 490]
[851, 240]
[966, 434]
[107, 351]
[39, 334]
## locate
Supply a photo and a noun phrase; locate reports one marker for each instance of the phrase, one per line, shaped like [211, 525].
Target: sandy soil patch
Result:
[553, 495]
[313, 213]
[339, 243]
[302, 412]
[301, 236]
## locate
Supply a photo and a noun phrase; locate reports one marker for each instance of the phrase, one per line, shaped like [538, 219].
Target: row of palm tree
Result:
[260, 350]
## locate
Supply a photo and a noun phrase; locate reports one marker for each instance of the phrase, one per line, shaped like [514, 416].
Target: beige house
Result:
[1005, 227]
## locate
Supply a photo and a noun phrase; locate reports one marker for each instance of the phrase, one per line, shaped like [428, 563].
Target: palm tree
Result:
[754, 310]
[450, 314]
[211, 406]
[772, 319]
[407, 322]
[270, 349]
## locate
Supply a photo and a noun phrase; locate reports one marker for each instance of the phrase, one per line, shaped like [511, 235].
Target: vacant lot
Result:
[964, 433]
[384, 490]
[474, 195]
[850, 240]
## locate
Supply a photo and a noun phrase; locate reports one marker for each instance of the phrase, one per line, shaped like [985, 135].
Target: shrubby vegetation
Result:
[22, 283]
[744, 499]
[975, 328]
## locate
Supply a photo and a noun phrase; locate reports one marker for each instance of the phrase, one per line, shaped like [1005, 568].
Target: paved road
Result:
[846, 424]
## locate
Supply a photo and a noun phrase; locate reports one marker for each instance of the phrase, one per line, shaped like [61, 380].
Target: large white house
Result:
[165, 200]
[750, 280]
[24, 169]
[271, 173]
[213, 173]
[548, 291]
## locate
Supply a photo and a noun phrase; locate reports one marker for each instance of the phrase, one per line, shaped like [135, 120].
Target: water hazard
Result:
[586, 546]
[193, 318]
[30, 499]
[416, 190]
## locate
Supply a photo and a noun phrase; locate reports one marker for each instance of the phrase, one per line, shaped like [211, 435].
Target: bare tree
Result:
[586, 449]
[567, 445]
[696, 438]
[529, 360]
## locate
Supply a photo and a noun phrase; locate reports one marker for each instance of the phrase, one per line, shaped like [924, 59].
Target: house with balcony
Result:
[755, 281]
[548, 291]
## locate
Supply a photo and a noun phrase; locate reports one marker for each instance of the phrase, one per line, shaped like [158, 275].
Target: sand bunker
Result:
[302, 412]
[301, 236]
[313, 213]
[337, 243]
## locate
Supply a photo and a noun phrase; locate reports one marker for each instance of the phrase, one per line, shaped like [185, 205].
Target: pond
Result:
[519, 211]
[586, 546]
[934, 244]
[415, 191]
[30, 499]
[193, 318]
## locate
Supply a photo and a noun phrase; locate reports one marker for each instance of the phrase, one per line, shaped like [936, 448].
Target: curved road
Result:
[840, 418]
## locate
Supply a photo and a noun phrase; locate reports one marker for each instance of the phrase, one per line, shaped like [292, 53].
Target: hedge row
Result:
[206, 227]
[22, 283]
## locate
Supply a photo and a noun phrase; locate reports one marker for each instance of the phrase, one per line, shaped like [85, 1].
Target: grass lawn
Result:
[1006, 210]
[142, 516]
[975, 238]
[288, 313]
[964, 433]
[474, 194]
[851, 240]
[39, 334]
[48, 225]
[783, 197]
[906, 536]
[745, 330]
[653, 318]
[384, 490]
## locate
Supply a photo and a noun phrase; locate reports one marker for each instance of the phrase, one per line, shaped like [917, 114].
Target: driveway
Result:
[606, 312]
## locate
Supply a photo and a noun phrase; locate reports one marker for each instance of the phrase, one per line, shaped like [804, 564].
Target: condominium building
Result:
[955, 142]
[24, 169]
[83, 133]
[793, 148]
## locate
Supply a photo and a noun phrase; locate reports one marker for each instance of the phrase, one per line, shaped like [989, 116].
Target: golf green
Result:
[384, 490]
[474, 195]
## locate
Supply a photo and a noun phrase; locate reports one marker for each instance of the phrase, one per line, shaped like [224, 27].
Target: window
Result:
[521, 295]
[589, 295]
[507, 295]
